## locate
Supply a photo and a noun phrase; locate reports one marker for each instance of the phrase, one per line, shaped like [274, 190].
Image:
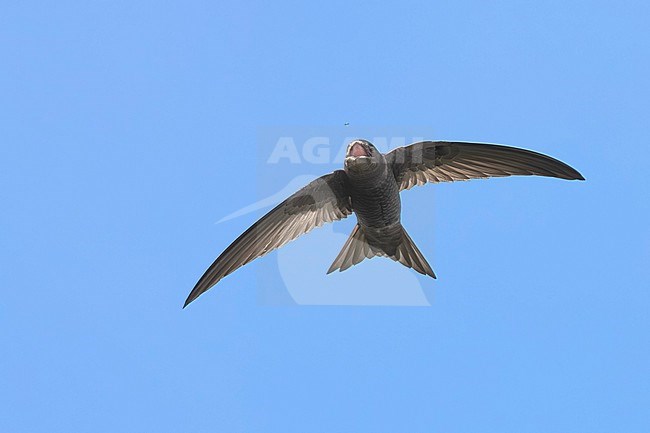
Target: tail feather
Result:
[410, 256]
[357, 248]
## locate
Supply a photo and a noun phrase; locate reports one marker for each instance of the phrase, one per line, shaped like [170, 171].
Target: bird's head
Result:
[362, 157]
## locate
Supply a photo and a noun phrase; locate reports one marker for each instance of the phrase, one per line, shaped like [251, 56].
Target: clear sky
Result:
[128, 129]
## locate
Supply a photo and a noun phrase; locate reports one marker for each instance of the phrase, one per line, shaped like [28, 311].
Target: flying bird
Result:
[369, 186]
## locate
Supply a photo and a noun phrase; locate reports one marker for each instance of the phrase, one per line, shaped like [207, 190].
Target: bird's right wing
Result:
[447, 161]
[323, 200]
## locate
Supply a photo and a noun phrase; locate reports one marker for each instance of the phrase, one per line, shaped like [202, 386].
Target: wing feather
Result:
[445, 161]
[324, 200]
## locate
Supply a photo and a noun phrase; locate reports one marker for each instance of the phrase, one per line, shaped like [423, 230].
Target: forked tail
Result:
[357, 248]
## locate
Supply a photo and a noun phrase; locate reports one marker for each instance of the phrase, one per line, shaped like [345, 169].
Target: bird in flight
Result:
[369, 186]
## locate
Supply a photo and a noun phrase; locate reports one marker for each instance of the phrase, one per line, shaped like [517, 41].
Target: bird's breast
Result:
[377, 204]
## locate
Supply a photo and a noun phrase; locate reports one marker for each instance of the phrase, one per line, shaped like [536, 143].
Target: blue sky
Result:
[129, 128]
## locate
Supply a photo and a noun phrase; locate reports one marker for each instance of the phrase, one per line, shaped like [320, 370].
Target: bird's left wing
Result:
[447, 161]
[323, 200]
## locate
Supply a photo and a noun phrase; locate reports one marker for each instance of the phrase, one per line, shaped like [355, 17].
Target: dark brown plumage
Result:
[369, 186]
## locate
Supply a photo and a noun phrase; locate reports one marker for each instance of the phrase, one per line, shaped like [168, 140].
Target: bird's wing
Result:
[444, 161]
[323, 200]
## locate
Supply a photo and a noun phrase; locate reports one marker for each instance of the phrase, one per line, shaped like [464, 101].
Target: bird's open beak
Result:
[357, 150]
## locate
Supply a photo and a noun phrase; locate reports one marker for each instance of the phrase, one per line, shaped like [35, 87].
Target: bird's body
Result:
[369, 186]
[375, 198]
[376, 202]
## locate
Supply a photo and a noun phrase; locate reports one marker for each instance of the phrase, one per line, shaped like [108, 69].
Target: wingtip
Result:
[574, 174]
[189, 300]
